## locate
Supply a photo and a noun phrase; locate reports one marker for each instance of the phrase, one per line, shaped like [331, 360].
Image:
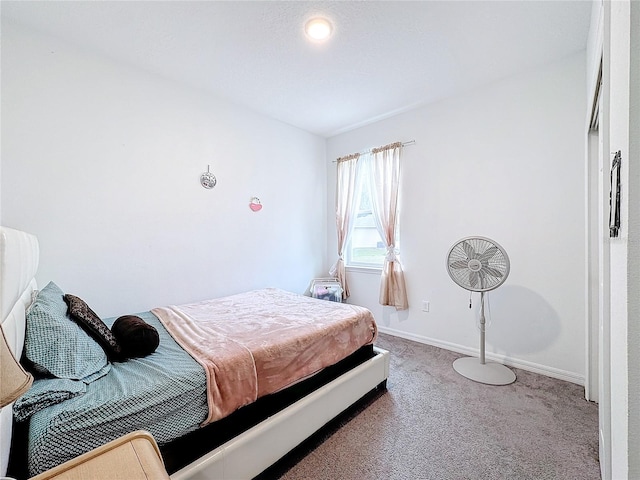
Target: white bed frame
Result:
[244, 456]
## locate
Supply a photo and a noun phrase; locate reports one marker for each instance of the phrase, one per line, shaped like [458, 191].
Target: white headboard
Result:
[19, 255]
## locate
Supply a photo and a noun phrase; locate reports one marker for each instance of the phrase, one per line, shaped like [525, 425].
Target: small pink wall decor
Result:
[255, 204]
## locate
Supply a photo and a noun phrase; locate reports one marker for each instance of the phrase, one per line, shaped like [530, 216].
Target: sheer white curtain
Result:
[345, 214]
[383, 167]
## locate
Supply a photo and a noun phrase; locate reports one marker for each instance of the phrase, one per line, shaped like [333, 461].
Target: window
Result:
[366, 247]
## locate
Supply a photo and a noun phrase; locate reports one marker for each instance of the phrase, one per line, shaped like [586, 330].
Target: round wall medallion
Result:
[208, 180]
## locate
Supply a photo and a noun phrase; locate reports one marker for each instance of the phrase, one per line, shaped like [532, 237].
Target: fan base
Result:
[490, 373]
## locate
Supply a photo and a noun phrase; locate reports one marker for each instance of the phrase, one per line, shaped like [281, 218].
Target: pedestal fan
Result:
[479, 264]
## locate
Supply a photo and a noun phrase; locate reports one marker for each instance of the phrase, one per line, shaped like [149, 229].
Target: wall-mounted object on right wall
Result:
[614, 196]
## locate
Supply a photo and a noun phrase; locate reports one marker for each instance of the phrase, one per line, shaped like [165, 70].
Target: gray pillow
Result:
[55, 344]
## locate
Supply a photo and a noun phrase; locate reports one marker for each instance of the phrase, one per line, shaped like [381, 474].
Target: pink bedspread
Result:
[259, 342]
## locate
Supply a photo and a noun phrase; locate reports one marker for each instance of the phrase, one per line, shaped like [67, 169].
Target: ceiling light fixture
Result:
[318, 29]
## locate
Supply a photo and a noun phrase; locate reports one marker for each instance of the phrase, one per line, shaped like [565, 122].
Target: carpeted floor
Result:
[432, 423]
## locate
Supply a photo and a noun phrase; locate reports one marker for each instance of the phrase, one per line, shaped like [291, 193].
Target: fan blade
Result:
[473, 279]
[482, 278]
[468, 249]
[492, 271]
[459, 264]
[487, 254]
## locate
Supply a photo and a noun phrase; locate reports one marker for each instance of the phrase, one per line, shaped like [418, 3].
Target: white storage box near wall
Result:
[326, 289]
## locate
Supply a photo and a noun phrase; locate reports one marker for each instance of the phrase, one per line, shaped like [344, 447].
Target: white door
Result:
[603, 318]
[597, 381]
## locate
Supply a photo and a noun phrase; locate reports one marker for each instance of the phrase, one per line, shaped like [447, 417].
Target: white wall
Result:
[594, 45]
[633, 286]
[102, 162]
[507, 162]
[621, 55]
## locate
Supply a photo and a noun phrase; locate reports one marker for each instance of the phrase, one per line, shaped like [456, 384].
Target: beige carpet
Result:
[432, 423]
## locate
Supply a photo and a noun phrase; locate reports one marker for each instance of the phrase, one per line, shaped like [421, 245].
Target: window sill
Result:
[369, 270]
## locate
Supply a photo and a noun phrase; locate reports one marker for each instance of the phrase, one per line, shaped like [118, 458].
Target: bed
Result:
[238, 440]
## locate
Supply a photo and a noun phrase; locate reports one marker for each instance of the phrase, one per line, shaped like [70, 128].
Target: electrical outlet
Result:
[425, 306]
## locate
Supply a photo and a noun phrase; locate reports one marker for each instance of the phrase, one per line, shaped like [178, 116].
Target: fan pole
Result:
[491, 373]
[482, 328]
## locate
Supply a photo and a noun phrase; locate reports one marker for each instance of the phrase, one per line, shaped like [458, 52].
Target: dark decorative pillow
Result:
[136, 337]
[91, 323]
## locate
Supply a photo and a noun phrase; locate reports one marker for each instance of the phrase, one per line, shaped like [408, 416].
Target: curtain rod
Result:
[404, 144]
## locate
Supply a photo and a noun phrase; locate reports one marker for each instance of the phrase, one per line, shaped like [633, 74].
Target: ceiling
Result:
[384, 57]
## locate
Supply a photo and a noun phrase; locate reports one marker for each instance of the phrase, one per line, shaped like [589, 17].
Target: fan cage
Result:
[478, 264]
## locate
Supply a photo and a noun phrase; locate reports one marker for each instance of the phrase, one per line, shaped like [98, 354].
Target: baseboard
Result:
[512, 362]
